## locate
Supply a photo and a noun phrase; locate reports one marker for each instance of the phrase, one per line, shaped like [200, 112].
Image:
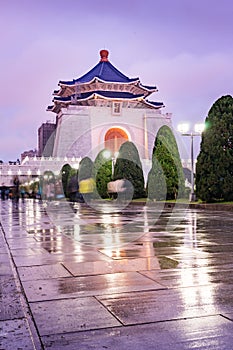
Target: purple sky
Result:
[184, 47]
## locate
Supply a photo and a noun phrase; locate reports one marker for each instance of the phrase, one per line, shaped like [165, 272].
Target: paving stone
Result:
[143, 249]
[192, 261]
[104, 238]
[38, 290]
[61, 316]
[4, 259]
[22, 243]
[81, 256]
[187, 277]
[223, 297]
[25, 252]
[5, 269]
[65, 245]
[15, 335]
[42, 259]
[112, 266]
[161, 305]
[218, 248]
[201, 333]
[10, 303]
[3, 249]
[15, 233]
[228, 315]
[32, 273]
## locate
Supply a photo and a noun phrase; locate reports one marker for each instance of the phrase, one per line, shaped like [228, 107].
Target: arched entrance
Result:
[114, 138]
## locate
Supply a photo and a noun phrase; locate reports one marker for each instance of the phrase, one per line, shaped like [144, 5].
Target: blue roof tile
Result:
[104, 71]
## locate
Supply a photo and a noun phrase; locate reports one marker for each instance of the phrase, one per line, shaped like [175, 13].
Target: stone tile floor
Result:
[143, 277]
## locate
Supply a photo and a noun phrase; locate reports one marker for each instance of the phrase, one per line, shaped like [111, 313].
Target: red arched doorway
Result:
[114, 138]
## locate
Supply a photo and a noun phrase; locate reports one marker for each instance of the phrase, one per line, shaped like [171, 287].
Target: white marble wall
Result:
[81, 130]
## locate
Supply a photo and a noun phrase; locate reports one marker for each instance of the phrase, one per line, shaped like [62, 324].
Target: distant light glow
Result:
[183, 127]
[200, 127]
[107, 154]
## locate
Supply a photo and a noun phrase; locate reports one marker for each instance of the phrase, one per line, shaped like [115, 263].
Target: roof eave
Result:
[138, 98]
[152, 105]
[96, 79]
[147, 88]
[97, 95]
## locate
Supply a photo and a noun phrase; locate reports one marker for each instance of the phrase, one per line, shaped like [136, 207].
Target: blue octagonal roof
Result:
[104, 70]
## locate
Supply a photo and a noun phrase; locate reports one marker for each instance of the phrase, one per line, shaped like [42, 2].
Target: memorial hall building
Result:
[101, 110]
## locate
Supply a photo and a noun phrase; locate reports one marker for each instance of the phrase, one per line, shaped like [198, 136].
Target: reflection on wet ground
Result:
[143, 264]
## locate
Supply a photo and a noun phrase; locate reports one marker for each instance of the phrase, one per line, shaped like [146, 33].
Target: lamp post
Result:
[113, 164]
[108, 155]
[184, 130]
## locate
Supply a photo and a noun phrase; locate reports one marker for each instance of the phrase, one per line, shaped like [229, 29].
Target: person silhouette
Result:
[16, 188]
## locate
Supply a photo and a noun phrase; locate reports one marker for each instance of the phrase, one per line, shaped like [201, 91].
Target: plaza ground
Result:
[115, 277]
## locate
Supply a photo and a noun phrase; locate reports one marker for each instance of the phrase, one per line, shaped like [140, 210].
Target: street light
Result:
[184, 130]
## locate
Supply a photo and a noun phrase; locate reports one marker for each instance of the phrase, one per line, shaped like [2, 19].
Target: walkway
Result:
[76, 277]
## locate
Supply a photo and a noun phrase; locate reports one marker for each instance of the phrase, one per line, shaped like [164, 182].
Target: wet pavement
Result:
[102, 277]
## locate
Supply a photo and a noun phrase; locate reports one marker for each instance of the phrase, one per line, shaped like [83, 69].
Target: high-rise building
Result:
[46, 135]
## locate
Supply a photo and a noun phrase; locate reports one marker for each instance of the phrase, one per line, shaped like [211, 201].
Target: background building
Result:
[31, 153]
[46, 133]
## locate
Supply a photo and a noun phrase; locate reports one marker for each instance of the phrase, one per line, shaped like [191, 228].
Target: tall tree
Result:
[103, 172]
[214, 169]
[65, 171]
[128, 166]
[72, 184]
[166, 178]
[85, 169]
[87, 185]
